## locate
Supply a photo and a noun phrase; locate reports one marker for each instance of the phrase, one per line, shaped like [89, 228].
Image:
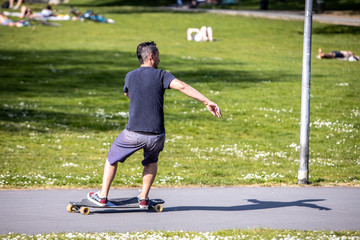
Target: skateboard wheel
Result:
[84, 210]
[70, 208]
[158, 208]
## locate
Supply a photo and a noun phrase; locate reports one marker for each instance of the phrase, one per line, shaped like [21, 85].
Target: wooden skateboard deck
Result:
[85, 205]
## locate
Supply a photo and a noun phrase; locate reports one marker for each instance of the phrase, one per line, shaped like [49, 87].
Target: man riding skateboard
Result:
[145, 87]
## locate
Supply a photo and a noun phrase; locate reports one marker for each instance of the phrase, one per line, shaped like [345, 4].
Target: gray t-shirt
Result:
[146, 87]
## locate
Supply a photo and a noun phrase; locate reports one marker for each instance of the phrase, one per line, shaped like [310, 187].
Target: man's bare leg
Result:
[210, 34]
[347, 54]
[320, 54]
[11, 3]
[203, 33]
[149, 175]
[108, 177]
[23, 11]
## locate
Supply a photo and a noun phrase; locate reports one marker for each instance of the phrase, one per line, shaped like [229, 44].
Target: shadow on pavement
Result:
[257, 205]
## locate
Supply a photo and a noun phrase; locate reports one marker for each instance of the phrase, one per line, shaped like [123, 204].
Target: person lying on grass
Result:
[89, 15]
[200, 35]
[345, 55]
[5, 21]
[145, 87]
[45, 13]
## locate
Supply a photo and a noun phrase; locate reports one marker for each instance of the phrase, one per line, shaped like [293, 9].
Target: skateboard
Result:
[84, 206]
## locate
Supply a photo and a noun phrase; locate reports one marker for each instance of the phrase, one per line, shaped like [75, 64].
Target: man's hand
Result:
[214, 109]
[195, 94]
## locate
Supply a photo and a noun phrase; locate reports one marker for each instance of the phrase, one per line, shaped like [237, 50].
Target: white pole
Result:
[303, 174]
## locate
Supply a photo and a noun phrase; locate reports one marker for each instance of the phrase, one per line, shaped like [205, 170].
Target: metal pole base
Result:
[303, 177]
[303, 181]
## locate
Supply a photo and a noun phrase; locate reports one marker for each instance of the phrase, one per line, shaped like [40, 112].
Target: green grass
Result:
[226, 234]
[61, 101]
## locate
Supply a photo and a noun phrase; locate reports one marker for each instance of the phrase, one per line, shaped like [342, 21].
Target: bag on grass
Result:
[5, 4]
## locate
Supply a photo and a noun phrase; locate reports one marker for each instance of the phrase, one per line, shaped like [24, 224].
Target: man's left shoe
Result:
[144, 203]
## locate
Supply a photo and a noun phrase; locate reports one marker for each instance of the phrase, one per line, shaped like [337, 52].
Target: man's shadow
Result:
[257, 205]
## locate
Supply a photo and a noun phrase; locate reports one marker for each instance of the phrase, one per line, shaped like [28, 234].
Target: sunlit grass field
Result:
[61, 101]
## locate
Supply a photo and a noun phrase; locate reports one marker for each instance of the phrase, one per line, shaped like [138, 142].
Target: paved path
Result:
[189, 209]
[286, 15]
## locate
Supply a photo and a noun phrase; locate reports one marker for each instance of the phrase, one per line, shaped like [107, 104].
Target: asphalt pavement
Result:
[188, 209]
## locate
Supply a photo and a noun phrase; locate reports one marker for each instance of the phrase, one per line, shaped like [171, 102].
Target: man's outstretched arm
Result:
[195, 94]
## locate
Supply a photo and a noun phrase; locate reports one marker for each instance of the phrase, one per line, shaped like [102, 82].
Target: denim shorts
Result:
[129, 142]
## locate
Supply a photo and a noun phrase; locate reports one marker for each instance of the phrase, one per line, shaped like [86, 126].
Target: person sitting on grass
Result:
[10, 4]
[5, 21]
[200, 35]
[345, 55]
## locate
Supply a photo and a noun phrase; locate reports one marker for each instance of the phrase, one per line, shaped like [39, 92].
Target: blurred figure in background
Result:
[10, 4]
[45, 13]
[5, 21]
[195, 3]
[200, 35]
[18, 4]
[345, 55]
[179, 3]
[89, 15]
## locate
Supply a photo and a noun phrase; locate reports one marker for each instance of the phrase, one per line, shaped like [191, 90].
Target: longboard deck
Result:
[117, 203]
[85, 204]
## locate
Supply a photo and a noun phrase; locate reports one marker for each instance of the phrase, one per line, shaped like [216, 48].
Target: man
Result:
[145, 87]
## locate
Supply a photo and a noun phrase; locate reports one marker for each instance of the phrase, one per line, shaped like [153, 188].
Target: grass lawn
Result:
[226, 234]
[61, 101]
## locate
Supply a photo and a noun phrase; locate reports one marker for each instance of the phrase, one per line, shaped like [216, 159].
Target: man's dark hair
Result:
[144, 49]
